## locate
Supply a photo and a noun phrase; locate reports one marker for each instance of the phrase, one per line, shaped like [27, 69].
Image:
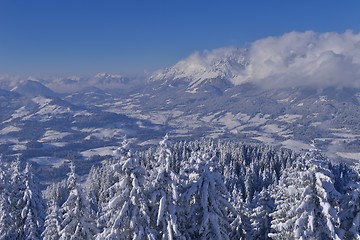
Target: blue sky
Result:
[85, 37]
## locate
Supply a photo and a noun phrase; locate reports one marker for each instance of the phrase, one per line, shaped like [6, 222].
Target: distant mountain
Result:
[286, 98]
[67, 84]
[76, 84]
[221, 67]
[195, 105]
[114, 83]
[33, 88]
[108, 80]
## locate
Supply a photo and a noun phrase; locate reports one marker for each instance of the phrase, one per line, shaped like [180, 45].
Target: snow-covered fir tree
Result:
[198, 189]
[241, 225]
[33, 213]
[21, 204]
[164, 193]
[76, 221]
[306, 202]
[127, 213]
[52, 222]
[98, 186]
[207, 206]
[16, 191]
[5, 210]
[350, 204]
[263, 206]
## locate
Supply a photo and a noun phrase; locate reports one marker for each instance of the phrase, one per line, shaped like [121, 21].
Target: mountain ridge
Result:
[223, 64]
[33, 88]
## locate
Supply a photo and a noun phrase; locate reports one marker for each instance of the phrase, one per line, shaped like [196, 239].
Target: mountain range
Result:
[207, 95]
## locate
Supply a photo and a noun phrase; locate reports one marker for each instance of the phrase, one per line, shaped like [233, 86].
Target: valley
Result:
[49, 128]
[202, 96]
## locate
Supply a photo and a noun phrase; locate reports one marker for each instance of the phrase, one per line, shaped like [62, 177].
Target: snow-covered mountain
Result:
[223, 93]
[104, 81]
[33, 88]
[226, 64]
[108, 80]
[293, 59]
[299, 91]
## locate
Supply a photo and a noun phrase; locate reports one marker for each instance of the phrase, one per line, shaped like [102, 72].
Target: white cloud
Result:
[8, 81]
[304, 58]
[293, 59]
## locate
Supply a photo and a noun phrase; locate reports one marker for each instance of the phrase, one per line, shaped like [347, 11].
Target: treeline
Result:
[187, 190]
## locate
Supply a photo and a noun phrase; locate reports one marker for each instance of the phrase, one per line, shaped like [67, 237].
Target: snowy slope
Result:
[33, 88]
[6, 94]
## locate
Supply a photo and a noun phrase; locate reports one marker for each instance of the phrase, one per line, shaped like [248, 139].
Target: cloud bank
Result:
[305, 58]
[293, 59]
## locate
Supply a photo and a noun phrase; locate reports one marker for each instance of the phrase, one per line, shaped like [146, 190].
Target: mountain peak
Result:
[107, 80]
[198, 68]
[32, 88]
[107, 75]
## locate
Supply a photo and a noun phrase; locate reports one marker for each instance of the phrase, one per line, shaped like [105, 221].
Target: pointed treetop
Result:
[164, 142]
[313, 147]
[28, 174]
[71, 175]
[124, 148]
[72, 168]
[27, 167]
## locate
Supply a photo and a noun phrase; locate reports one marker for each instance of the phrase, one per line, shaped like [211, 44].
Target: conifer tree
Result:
[15, 195]
[52, 222]
[207, 203]
[350, 204]
[306, 202]
[260, 218]
[33, 207]
[164, 193]
[5, 214]
[241, 225]
[76, 220]
[127, 214]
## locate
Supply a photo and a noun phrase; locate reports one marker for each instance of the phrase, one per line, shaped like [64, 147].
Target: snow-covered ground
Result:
[272, 128]
[208, 118]
[18, 113]
[4, 139]
[52, 135]
[289, 118]
[350, 155]
[265, 140]
[102, 151]
[295, 145]
[346, 135]
[10, 129]
[51, 161]
[18, 147]
[104, 133]
[58, 144]
[229, 121]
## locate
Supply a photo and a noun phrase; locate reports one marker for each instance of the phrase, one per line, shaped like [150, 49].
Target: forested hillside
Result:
[187, 190]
